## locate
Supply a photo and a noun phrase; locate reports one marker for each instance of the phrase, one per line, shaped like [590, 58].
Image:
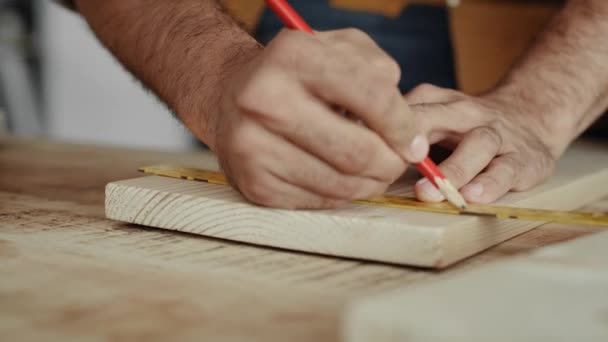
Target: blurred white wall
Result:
[88, 97]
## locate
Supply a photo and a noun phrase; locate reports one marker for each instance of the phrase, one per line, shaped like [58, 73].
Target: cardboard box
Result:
[489, 37]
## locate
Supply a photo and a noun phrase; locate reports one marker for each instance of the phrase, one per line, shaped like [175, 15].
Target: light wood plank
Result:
[82, 228]
[558, 293]
[356, 231]
[95, 272]
[51, 294]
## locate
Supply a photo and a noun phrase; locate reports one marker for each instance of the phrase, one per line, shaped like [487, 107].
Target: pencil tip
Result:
[451, 193]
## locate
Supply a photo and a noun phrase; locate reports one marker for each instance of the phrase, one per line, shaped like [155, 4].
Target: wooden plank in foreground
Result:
[558, 293]
[58, 294]
[356, 231]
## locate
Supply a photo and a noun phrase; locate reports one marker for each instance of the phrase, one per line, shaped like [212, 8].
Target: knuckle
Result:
[456, 172]
[297, 51]
[492, 181]
[420, 93]
[501, 164]
[531, 171]
[489, 135]
[257, 190]
[387, 67]
[497, 124]
[357, 159]
[422, 118]
[285, 40]
[260, 100]
[380, 99]
[352, 33]
[424, 88]
[428, 113]
[345, 188]
[471, 113]
[259, 88]
[279, 50]
[516, 165]
[249, 96]
[509, 165]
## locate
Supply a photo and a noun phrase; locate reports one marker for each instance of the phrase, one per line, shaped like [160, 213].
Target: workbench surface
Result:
[68, 273]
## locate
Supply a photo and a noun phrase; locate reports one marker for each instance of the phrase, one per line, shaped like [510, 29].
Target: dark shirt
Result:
[419, 39]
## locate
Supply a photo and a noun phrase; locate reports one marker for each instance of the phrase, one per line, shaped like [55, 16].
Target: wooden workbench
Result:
[67, 273]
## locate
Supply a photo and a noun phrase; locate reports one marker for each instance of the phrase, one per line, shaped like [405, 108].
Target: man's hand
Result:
[496, 148]
[270, 113]
[282, 142]
[267, 112]
[510, 138]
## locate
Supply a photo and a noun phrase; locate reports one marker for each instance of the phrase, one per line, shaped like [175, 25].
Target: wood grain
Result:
[356, 231]
[49, 294]
[557, 293]
[67, 273]
[82, 228]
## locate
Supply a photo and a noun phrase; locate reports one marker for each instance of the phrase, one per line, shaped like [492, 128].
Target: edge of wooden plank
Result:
[423, 249]
[428, 247]
[585, 189]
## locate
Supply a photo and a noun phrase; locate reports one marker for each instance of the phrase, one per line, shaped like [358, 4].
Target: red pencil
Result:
[427, 167]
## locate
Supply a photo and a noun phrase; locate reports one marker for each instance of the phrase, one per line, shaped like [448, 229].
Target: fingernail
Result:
[430, 190]
[473, 190]
[419, 148]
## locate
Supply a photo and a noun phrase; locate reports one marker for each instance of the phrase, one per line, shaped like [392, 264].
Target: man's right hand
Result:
[267, 112]
[281, 141]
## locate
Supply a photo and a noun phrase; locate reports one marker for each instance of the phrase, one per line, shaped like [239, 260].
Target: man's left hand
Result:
[496, 146]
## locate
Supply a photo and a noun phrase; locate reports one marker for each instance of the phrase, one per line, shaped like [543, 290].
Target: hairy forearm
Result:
[179, 49]
[563, 79]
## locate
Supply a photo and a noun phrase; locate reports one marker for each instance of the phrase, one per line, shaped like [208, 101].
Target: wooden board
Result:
[70, 294]
[559, 293]
[97, 272]
[356, 231]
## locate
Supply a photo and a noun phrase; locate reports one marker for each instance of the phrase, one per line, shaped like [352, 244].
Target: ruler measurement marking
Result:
[400, 202]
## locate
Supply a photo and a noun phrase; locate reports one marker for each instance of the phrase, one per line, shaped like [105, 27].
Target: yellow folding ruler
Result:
[573, 217]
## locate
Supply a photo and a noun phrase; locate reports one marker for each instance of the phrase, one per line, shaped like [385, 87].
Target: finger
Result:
[293, 165]
[500, 177]
[428, 93]
[454, 117]
[473, 154]
[269, 191]
[349, 83]
[321, 179]
[244, 157]
[290, 111]
[441, 121]
[357, 43]
[380, 106]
